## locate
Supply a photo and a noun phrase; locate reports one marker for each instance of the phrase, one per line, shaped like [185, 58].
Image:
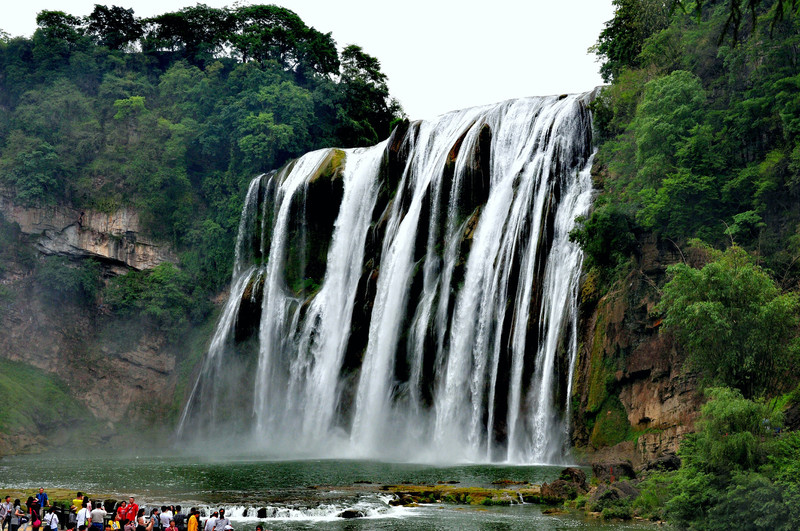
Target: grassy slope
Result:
[33, 398]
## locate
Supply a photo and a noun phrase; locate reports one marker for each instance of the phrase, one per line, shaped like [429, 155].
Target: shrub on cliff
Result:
[606, 237]
[738, 472]
[63, 280]
[734, 322]
[162, 296]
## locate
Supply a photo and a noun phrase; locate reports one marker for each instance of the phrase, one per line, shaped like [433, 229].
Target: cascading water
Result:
[412, 300]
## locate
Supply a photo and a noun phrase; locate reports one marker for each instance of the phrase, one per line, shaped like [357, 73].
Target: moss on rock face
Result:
[332, 167]
[599, 373]
[313, 213]
[611, 424]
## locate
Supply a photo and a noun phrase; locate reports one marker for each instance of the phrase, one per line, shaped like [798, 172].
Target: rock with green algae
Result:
[448, 493]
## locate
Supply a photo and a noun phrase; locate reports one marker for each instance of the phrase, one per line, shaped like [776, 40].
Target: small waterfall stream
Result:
[413, 300]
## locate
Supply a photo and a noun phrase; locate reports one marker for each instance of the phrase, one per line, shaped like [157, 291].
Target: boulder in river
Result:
[351, 513]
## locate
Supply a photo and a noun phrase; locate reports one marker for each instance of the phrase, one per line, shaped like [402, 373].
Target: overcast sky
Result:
[439, 55]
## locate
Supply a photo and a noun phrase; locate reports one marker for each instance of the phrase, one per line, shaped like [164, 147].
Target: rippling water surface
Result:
[306, 494]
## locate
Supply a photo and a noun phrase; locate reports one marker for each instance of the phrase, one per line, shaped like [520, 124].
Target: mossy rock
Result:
[611, 424]
[599, 373]
[332, 167]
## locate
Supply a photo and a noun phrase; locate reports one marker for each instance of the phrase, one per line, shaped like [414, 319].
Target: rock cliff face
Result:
[109, 366]
[123, 372]
[636, 397]
[115, 237]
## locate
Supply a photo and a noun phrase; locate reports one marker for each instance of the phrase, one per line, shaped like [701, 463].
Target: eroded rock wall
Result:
[635, 394]
[61, 229]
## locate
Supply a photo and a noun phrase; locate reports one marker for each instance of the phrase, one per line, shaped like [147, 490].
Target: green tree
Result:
[198, 33]
[162, 296]
[33, 169]
[725, 480]
[58, 36]
[261, 139]
[606, 237]
[739, 10]
[272, 33]
[367, 111]
[620, 42]
[670, 108]
[114, 27]
[68, 281]
[733, 322]
[685, 205]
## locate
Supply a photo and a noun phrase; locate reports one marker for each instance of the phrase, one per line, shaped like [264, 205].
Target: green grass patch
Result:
[33, 397]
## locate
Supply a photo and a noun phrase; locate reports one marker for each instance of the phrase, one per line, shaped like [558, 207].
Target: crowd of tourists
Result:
[84, 514]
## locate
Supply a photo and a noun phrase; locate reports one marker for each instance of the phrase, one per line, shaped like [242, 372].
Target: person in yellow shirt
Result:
[193, 523]
[114, 523]
[78, 501]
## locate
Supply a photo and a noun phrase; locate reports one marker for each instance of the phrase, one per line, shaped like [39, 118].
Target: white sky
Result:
[439, 55]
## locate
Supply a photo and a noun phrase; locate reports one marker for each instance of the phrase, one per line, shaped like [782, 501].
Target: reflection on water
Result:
[296, 494]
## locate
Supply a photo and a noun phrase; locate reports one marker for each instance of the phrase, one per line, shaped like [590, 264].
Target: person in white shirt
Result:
[221, 521]
[166, 516]
[211, 522]
[84, 515]
[51, 520]
[6, 508]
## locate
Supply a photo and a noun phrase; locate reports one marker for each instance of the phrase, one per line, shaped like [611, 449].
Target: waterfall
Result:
[414, 300]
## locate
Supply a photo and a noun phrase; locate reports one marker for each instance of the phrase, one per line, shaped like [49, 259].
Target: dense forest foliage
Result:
[174, 114]
[699, 148]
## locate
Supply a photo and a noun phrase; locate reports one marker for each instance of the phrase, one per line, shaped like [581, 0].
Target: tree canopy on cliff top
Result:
[174, 114]
[700, 138]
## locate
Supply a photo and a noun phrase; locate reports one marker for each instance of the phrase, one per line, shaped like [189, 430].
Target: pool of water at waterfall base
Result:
[297, 494]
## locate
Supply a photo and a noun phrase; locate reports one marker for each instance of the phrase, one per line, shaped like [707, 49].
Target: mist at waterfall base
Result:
[412, 301]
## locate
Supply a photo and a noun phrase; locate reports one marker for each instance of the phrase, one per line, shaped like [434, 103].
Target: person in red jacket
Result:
[122, 510]
[131, 510]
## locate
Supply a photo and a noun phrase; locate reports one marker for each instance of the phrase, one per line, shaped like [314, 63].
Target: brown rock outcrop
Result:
[631, 382]
[63, 230]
